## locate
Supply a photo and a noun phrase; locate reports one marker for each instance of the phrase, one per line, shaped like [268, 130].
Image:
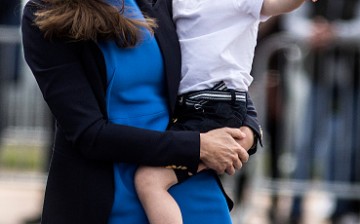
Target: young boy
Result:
[217, 39]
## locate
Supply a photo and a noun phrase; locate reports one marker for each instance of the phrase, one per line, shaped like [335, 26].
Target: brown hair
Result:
[90, 20]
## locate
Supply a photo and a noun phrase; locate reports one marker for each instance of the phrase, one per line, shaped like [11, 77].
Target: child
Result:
[217, 39]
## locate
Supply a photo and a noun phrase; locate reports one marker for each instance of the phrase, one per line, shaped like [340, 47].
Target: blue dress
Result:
[136, 97]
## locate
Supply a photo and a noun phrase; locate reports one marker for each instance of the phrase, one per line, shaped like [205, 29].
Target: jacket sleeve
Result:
[251, 120]
[61, 76]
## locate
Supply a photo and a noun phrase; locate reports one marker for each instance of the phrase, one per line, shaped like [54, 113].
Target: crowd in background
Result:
[325, 138]
[9, 16]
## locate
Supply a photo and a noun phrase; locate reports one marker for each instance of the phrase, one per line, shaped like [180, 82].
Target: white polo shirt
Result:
[217, 39]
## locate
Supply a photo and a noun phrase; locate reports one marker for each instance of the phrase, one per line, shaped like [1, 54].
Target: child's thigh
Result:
[159, 177]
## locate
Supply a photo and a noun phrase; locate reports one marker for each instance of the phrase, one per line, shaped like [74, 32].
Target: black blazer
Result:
[72, 79]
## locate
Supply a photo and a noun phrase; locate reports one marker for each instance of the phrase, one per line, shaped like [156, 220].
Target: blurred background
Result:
[306, 90]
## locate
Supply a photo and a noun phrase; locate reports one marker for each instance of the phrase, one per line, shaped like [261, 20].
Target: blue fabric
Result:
[136, 97]
[201, 200]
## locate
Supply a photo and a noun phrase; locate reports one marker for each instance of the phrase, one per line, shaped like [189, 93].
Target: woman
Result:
[112, 87]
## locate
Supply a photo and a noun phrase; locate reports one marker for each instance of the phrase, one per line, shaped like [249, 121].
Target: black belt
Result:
[218, 93]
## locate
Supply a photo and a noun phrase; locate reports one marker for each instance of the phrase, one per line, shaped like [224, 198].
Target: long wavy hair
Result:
[90, 20]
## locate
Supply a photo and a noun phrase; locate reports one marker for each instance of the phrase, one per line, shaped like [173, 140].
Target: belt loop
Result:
[233, 96]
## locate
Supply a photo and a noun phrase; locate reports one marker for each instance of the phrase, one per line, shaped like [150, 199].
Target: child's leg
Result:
[152, 184]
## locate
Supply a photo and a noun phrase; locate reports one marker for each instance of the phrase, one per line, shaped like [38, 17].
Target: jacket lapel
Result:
[167, 40]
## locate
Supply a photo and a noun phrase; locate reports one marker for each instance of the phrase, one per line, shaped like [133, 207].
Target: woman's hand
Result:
[248, 141]
[220, 151]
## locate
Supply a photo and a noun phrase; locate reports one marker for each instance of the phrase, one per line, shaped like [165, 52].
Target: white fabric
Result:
[218, 39]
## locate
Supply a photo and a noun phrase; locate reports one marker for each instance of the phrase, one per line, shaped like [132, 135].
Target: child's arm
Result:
[276, 7]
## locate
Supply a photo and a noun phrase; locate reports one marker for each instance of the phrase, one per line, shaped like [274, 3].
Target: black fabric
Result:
[181, 175]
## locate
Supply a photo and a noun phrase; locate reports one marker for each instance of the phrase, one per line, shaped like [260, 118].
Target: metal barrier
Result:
[25, 118]
[318, 144]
